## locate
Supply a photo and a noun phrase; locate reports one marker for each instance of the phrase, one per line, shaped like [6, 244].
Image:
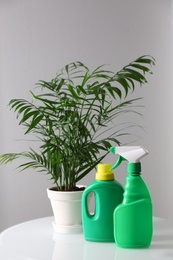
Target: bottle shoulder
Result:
[104, 184]
[135, 182]
[135, 189]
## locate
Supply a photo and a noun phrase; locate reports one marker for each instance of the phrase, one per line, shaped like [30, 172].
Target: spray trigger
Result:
[119, 161]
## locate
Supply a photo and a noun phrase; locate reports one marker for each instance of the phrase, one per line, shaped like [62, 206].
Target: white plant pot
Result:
[66, 207]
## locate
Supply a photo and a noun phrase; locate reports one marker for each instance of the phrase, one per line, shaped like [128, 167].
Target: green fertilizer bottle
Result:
[133, 218]
[108, 194]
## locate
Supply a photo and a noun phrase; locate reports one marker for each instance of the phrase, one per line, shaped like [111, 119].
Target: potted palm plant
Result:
[73, 117]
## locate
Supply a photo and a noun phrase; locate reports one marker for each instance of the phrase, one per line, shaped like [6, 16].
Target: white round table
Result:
[36, 240]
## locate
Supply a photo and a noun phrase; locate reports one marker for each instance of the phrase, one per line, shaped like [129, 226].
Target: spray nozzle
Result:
[132, 154]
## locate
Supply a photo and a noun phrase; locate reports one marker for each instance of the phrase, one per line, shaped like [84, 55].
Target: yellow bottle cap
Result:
[104, 172]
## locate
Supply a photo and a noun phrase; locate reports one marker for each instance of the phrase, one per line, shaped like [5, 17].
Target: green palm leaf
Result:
[75, 118]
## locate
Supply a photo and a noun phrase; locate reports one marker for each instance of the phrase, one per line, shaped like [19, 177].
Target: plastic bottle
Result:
[133, 218]
[108, 194]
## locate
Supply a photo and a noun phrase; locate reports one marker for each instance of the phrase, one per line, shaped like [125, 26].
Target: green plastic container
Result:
[133, 226]
[108, 195]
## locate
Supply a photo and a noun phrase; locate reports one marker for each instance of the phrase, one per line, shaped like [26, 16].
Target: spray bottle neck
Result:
[134, 168]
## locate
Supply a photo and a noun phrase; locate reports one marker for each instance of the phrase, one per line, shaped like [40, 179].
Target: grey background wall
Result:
[39, 37]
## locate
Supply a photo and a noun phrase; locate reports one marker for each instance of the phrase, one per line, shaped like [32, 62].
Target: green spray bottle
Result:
[108, 195]
[133, 226]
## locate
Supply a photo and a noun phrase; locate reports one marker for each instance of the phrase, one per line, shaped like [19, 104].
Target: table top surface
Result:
[36, 240]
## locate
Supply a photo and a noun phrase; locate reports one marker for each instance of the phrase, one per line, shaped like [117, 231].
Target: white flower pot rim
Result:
[64, 195]
[54, 189]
